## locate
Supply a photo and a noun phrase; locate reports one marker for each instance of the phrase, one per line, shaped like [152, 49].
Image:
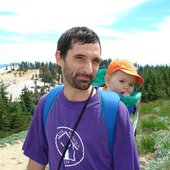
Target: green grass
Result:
[153, 123]
[153, 135]
[146, 145]
[13, 138]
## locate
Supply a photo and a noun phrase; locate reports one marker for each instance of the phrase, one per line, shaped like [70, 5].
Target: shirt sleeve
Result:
[35, 145]
[125, 154]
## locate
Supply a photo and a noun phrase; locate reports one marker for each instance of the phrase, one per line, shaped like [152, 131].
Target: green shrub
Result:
[146, 145]
[154, 124]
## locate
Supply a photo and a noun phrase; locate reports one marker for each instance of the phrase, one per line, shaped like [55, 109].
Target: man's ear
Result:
[107, 80]
[58, 57]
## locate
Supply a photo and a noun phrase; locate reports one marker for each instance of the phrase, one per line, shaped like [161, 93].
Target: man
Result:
[75, 136]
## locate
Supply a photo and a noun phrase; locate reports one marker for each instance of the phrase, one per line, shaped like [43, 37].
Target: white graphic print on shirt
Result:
[75, 152]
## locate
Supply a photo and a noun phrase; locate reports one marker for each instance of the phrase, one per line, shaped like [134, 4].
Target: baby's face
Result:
[120, 82]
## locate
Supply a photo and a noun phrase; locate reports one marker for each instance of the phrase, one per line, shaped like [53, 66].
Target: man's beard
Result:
[74, 80]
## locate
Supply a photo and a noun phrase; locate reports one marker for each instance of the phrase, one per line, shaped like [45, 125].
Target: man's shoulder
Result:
[109, 96]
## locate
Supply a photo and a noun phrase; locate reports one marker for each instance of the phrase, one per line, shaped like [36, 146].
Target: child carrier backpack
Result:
[132, 102]
[109, 103]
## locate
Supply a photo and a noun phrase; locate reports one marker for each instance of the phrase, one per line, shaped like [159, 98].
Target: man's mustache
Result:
[85, 75]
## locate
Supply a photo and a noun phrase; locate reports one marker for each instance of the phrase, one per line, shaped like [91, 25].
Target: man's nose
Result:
[88, 67]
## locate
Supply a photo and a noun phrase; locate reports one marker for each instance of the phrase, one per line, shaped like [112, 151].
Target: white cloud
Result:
[40, 16]
[38, 51]
[143, 47]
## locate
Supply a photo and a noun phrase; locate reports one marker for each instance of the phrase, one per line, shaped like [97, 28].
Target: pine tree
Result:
[4, 114]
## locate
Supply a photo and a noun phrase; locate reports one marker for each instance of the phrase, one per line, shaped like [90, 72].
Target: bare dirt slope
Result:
[17, 80]
[12, 158]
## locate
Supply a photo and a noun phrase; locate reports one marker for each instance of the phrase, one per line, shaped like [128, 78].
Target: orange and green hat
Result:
[125, 66]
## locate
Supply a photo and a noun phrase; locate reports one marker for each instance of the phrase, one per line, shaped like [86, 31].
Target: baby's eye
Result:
[131, 85]
[122, 81]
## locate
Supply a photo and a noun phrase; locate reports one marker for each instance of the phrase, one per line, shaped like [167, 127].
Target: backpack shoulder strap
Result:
[110, 103]
[49, 102]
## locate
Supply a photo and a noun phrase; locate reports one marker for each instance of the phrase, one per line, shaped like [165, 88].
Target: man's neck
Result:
[73, 94]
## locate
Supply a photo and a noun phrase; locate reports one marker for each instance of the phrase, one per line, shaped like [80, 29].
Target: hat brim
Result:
[139, 79]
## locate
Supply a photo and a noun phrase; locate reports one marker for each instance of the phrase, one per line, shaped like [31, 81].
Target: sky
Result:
[136, 30]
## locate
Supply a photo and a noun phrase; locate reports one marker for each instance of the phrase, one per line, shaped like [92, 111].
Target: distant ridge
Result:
[4, 65]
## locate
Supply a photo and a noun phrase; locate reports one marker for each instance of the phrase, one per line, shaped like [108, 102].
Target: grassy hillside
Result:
[153, 134]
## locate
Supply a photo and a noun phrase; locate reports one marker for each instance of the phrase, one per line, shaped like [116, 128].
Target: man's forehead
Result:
[87, 48]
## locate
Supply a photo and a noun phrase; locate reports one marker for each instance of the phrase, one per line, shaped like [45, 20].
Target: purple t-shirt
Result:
[88, 149]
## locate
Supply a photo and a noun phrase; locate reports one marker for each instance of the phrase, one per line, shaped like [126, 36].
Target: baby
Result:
[121, 77]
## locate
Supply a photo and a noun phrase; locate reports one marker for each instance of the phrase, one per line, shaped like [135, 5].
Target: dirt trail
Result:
[12, 158]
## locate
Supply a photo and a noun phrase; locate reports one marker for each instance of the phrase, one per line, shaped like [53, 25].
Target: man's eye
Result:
[96, 62]
[79, 57]
[122, 81]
